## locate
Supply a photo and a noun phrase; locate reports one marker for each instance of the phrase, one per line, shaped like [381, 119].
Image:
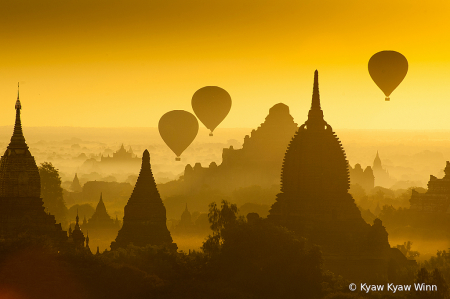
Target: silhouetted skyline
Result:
[98, 203]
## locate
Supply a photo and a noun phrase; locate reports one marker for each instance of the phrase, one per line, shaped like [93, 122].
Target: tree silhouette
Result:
[433, 278]
[52, 193]
[260, 258]
[219, 219]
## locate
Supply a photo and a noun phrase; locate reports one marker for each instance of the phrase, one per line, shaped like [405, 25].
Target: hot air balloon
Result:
[178, 129]
[211, 104]
[387, 69]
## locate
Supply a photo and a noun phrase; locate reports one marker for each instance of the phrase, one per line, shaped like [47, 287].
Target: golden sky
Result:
[103, 63]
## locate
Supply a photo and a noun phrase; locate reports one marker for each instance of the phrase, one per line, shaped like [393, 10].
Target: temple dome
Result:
[315, 161]
[314, 199]
[279, 108]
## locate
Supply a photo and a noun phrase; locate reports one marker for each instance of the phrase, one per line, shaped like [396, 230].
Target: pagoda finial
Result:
[17, 90]
[146, 158]
[377, 163]
[315, 104]
[315, 115]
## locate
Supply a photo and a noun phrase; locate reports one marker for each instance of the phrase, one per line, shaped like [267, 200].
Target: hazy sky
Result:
[126, 63]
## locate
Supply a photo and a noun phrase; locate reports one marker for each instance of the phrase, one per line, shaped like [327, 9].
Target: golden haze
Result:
[126, 63]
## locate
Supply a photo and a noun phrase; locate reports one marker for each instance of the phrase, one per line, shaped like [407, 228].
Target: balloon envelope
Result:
[211, 104]
[387, 69]
[178, 129]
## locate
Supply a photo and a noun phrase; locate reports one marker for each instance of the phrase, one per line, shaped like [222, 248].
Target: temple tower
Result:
[315, 203]
[75, 186]
[21, 208]
[377, 163]
[101, 219]
[186, 218]
[144, 221]
[314, 199]
[382, 177]
[77, 235]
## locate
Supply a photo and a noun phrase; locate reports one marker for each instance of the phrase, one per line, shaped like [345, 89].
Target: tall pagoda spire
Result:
[77, 234]
[17, 139]
[315, 105]
[377, 163]
[315, 115]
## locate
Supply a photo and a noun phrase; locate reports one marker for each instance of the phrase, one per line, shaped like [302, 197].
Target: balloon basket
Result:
[177, 159]
[211, 134]
[387, 99]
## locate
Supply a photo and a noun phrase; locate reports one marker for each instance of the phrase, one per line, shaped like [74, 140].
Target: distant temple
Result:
[185, 226]
[364, 178]
[382, 177]
[258, 162]
[100, 219]
[314, 202]
[121, 155]
[77, 237]
[75, 186]
[122, 160]
[186, 218]
[21, 208]
[144, 221]
[437, 197]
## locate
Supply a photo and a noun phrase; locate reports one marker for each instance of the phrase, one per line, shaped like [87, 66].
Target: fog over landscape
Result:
[243, 149]
[408, 155]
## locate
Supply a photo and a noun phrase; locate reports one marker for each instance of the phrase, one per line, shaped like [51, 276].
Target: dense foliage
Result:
[52, 193]
[243, 258]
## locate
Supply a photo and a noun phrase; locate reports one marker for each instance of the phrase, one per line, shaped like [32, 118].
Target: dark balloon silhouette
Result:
[178, 129]
[387, 69]
[211, 104]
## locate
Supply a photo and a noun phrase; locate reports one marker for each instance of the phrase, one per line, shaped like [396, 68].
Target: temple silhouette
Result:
[76, 186]
[382, 177]
[21, 207]
[120, 155]
[144, 221]
[101, 220]
[314, 202]
[364, 178]
[437, 197]
[121, 160]
[76, 237]
[185, 225]
[258, 162]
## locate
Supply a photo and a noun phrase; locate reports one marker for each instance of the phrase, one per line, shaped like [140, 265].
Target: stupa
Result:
[144, 221]
[314, 201]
